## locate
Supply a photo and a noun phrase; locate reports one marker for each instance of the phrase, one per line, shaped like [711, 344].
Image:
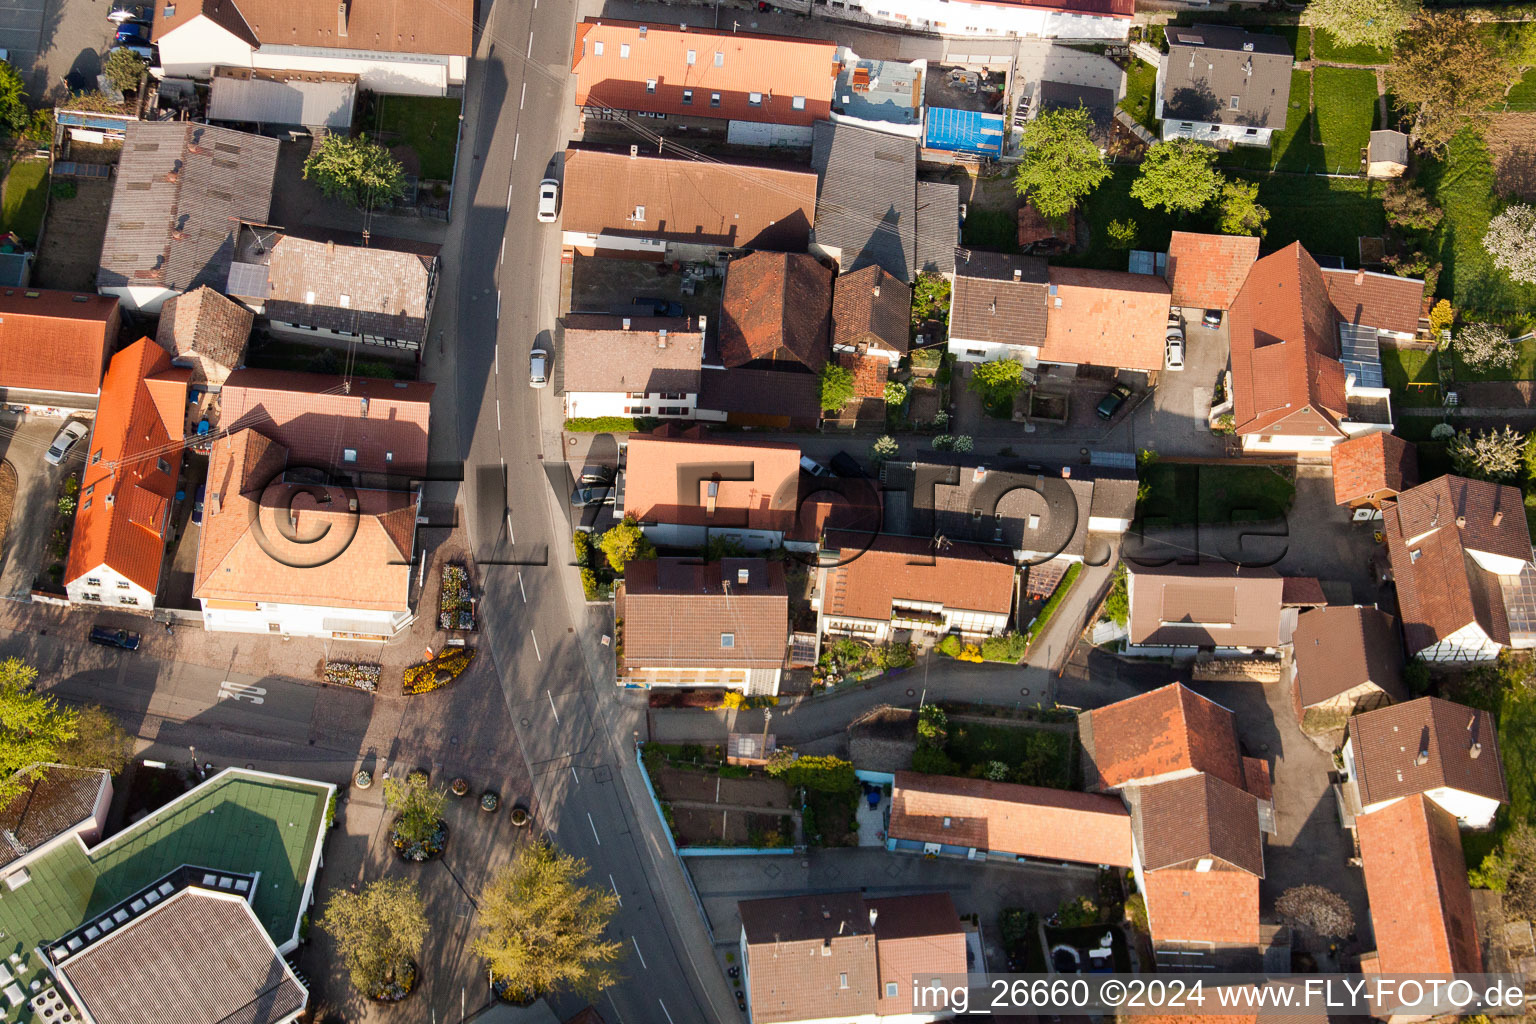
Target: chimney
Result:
[1422, 758]
[978, 474]
[351, 504]
[875, 291]
[1066, 472]
[873, 914]
[1475, 747]
[1476, 750]
[826, 915]
[341, 19]
[703, 324]
[330, 247]
[1018, 275]
[1498, 517]
[1359, 277]
[994, 305]
[634, 152]
[661, 338]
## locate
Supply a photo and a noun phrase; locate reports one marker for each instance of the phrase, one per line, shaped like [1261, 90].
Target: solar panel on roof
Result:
[247, 279]
[1520, 600]
[1360, 352]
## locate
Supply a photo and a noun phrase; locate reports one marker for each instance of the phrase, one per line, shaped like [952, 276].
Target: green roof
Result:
[237, 821]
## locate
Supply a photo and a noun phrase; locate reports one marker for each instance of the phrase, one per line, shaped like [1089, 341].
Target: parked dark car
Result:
[659, 307]
[581, 497]
[123, 638]
[594, 476]
[133, 33]
[1111, 403]
[197, 504]
[846, 465]
[1212, 319]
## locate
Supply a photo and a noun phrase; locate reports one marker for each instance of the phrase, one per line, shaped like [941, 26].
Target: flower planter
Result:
[520, 816]
[419, 851]
[362, 780]
[403, 985]
[346, 673]
[516, 997]
[417, 777]
[490, 801]
[459, 787]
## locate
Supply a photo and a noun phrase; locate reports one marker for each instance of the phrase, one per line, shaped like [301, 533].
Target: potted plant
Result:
[490, 800]
[520, 816]
[363, 779]
[419, 832]
[459, 787]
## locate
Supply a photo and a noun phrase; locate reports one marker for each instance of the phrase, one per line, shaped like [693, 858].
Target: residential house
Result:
[1344, 660]
[982, 820]
[127, 925]
[871, 210]
[631, 366]
[1106, 318]
[1086, 20]
[998, 307]
[128, 492]
[1416, 881]
[182, 190]
[664, 208]
[387, 45]
[745, 397]
[775, 313]
[1306, 364]
[845, 957]
[205, 332]
[908, 588]
[1213, 607]
[721, 624]
[1220, 84]
[1198, 813]
[342, 468]
[54, 348]
[885, 94]
[770, 89]
[315, 100]
[871, 315]
[379, 291]
[1462, 562]
[1371, 471]
[1205, 272]
[1448, 752]
[685, 489]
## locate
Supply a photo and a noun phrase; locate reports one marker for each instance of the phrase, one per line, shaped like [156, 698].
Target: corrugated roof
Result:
[311, 98]
[55, 341]
[1387, 743]
[57, 800]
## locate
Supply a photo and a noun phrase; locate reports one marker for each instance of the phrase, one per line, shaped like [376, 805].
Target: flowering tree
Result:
[1484, 346]
[1511, 241]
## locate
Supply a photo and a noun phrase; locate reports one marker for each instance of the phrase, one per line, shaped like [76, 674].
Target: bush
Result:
[1009, 647]
[1416, 676]
[1122, 234]
[1441, 317]
[1117, 605]
[63, 189]
[1136, 913]
[950, 646]
[1077, 912]
[824, 773]
[895, 392]
[933, 761]
[836, 387]
[608, 424]
[626, 543]
[885, 447]
[1442, 432]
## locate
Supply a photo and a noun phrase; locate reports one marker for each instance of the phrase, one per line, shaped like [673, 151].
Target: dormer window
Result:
[727, 640]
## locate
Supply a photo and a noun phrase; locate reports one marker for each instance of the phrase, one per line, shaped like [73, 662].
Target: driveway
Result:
[37, 486]
[56, 45]
[1324, 542]
[1174, 421]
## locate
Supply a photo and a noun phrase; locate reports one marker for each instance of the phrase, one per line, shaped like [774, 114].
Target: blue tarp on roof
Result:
[964, 131]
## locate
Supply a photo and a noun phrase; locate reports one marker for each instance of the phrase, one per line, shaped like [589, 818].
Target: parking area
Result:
[56, 45]
[1173, 421]
[24, 554]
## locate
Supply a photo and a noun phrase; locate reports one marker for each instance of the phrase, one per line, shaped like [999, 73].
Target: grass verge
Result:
[25, 199]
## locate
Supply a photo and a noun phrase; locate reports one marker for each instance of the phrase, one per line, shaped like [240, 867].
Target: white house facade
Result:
[953, 18]
[678, 405]
[225, 616]
[105, 586]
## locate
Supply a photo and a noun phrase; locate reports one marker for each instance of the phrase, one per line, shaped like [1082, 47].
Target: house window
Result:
[798, 103]
[85, 504]
[597, 48]
[842, 980]
[755, 98]
[93, 581]
[672, 396]
[714, 99]
[687, 97]
[1186, 125]
[274, 627]
[89, 491]
[127, 600]
[389, 456]
[122, 584]
[693, 56]
[890, 990]
[1215, 127]
[93, 598]
[636, 394]
[1252, 131]
[95, 456]
[727, 639]
[1233, 104]
[650, 85]
[162, 465]
[623, 51]
[349, 455]
[719, 59]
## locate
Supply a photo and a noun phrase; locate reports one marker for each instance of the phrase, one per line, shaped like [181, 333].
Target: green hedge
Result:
[609, 424]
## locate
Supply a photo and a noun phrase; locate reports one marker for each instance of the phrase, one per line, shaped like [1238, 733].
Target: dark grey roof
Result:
[1099, 102]
[870, 205]
[1208, 66]
[760, 392]
[182, 189]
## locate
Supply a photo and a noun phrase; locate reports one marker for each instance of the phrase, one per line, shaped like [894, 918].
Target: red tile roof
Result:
[870, 575]
[1171, 729]
[1462, 744]
[1379, 465]
[758, 483]
[776, 310]
[1286, 375]
[1206, 271]
[1000, 817]
[1416, 880]
[870, 307]
[370, 24]
[1383, 301]
[791, 78]
[55, 341]
[131, 469]
[1105, 318]
[1220, 905]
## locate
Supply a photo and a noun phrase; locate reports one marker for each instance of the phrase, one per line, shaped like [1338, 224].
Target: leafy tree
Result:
[1122, 234]
[895, 392]
[885, 447]
[626, 543]
[1239, 209]
[932, 726]
[1179, 176]
[542, 930]
[1409, 207]
[33, 727]
[419, 806]
[1447, 73]
[1511, 241]
[1362, 22]
[1489, 454]
[933, 761]
[1315, 909]
[1441, 317]
[1117, 604]
[13, 99]
[1511, 869]
[40, 127]
[379, 932]
[930, 298]
[100, 741]
[1416, 675]
[355, 170]
[1061, 163]
[124, 69]
[836, 387]
[1484, 346]
[998, 380]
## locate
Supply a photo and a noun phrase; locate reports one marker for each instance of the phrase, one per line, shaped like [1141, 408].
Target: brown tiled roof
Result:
[669, 479]
[870, 307]
[677, 613]
[1416, 880]
[1206, 271]
[132, 467]
[1213, 604]
[198, 958]
[1383, 301]
[791, 78]
[1197, 817]
[709, 203]
[341, 558]
[1106, 318]
[799, 948]
[1217, 906]
[776, 308]
[1378, 463]
[55, 341]
[1337, 649]
[762, 393]
[57, 800]
[873, 574]
[371, 290]
[1387, 743]
[989, 305]
[1302, 592]
[370, 24]
[1286, 374]
[1030, 821]
[207, 330]
[1442, 588]
[1170, 729]
[653, 354]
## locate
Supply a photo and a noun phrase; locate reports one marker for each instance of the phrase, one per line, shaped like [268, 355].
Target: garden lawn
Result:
[1410, 366]
[1327, 215]
[992, 230]
[1140, 87]
[1344, 100]
[1524, 368]
[428, 124]
[1327, 48]
[1462, 183]
[1112, 201]
[1521, 96]
[1037, 756]
[25, 199]
[1182, 493]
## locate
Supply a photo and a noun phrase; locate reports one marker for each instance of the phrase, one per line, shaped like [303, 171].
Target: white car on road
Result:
[1174, 357]
[538, 368]
[66, 439]
[549, 200]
